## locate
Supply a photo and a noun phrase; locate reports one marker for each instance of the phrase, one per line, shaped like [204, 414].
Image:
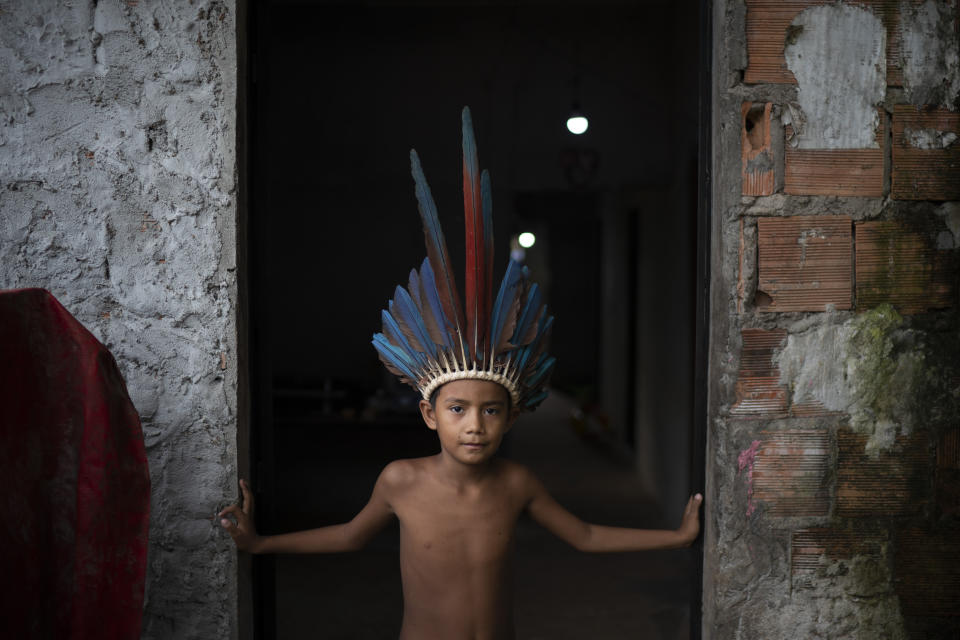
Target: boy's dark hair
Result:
[433, 397]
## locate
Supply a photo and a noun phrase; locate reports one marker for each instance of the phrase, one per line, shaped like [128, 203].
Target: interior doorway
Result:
[339, 93]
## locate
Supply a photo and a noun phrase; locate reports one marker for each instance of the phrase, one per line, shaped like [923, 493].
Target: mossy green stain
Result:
[872, 343]
[901, 375]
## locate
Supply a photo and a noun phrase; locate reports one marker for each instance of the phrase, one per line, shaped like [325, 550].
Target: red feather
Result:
[478, 289]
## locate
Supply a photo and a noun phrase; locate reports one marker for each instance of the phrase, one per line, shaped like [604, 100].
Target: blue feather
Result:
[486, 264]
[533, 401]
[529, 314]
[436, 246]
[504, 302]
[397, 337]
[542, 370]
[413, 286]
[533, 347]
[431, 300]
[409, 316]
[428, 208]
[395, 356]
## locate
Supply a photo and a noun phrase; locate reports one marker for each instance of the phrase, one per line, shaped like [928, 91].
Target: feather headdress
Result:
[429, 338]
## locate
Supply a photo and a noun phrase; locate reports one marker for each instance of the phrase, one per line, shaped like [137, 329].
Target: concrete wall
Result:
[117, 193]
[834, 450]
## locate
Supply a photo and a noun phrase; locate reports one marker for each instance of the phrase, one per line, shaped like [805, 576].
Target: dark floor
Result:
[561, 593]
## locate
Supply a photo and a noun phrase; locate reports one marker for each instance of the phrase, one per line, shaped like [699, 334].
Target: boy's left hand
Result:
[690, 524]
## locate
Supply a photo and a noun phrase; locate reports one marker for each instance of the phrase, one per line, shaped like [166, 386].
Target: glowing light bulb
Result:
[577, 124]
[526, 239]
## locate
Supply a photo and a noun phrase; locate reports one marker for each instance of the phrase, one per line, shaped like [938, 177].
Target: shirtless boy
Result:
[458, 512]
[477, 366]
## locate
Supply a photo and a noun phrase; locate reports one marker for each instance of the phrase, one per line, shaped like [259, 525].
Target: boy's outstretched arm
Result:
[597, 538]
[349, 536]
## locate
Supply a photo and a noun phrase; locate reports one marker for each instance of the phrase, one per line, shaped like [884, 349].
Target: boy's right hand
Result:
[244, 532]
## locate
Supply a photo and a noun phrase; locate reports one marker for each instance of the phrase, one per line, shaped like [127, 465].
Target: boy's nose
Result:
[475, 424]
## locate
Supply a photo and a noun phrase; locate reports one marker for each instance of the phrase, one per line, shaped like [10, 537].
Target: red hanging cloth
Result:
[74, 483]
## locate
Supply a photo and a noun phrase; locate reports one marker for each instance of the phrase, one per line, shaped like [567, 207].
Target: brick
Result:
[948, 473]
[741, 283]
[900, 264]
[893, 482]
[931, 173]
[835, 172]
[948, 450]
[811, 549]
[758, 388]
[756, 152]
[926, 573]
[790, 472]
[810, 409]
[767, 22]
[805, 262]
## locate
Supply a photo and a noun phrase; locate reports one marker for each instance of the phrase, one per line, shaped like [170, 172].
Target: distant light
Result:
[577, 124]
[526, 239]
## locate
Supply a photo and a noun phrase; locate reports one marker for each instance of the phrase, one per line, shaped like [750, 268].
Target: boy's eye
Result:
[456, 409]
[492, 411]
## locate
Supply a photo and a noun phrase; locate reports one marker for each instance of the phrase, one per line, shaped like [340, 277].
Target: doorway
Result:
[340, 93]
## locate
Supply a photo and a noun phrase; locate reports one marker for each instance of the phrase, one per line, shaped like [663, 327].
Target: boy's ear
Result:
[429, 417]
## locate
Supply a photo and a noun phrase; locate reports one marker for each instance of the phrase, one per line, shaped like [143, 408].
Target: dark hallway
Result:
[340, 93]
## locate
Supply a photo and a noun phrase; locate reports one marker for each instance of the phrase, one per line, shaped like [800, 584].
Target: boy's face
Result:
[471, 418]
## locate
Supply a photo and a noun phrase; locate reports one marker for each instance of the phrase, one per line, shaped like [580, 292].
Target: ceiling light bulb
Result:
[577, 124]
[526, 239]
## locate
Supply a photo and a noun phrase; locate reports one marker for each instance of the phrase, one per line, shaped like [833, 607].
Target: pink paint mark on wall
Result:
[745, 461]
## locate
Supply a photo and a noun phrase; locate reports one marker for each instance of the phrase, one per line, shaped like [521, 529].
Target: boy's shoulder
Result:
[513, 471]
[404, 471]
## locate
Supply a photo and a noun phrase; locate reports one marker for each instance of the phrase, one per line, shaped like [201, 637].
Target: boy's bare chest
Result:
[468, 528]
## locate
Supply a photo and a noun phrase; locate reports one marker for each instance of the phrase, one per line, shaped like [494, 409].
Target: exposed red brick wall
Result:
[852, 231]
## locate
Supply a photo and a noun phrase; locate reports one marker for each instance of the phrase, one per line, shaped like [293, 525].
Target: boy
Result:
[458, 511]
[476, 372]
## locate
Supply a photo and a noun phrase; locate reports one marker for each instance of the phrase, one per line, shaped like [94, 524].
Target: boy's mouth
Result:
[474, 446]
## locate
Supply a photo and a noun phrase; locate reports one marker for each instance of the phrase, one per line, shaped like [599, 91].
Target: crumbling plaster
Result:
[118, 194]
[837, 53]
[889, 377]
[931, 53]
